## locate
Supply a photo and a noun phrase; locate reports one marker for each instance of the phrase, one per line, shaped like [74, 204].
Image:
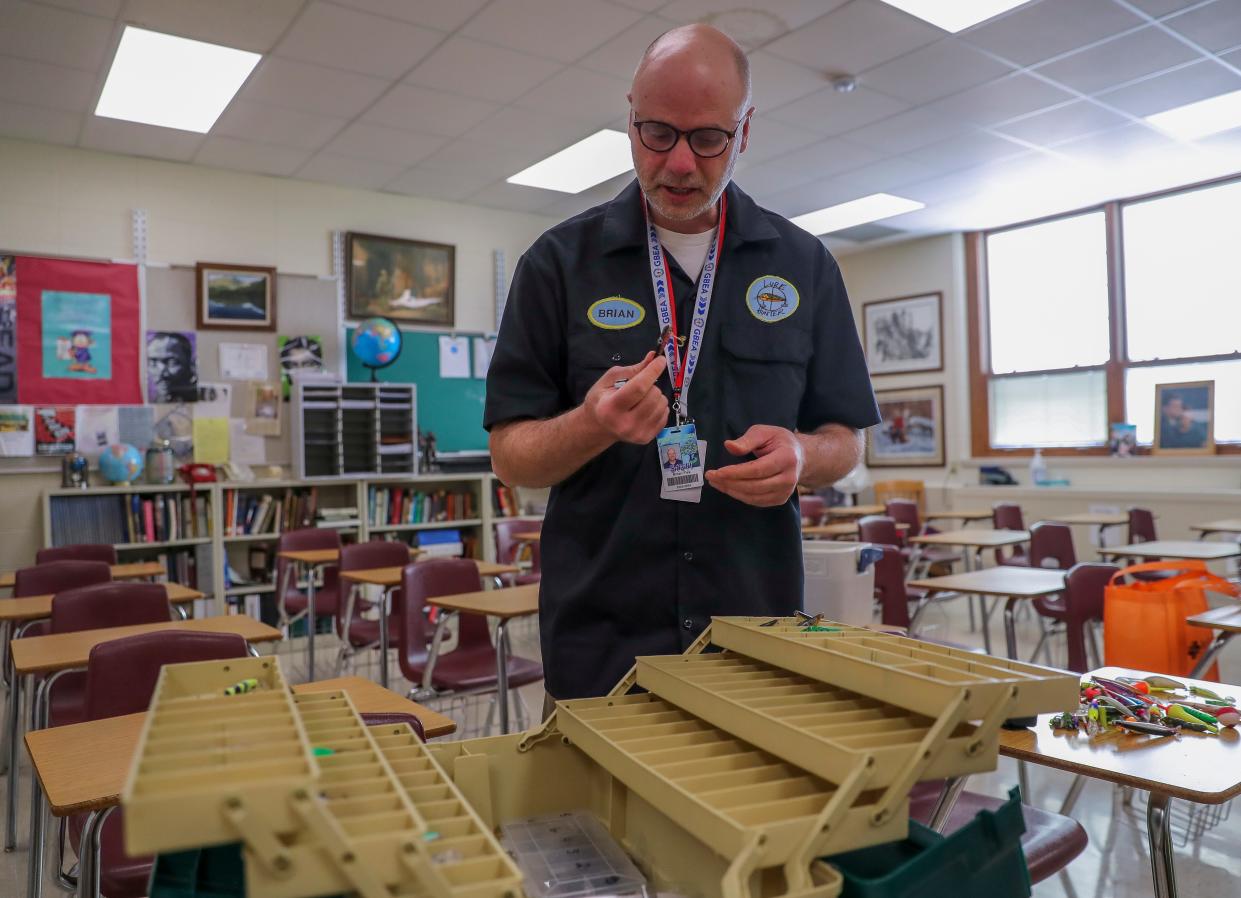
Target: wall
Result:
[64, 201]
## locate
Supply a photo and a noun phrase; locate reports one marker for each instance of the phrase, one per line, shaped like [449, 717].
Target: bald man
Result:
[679, 316]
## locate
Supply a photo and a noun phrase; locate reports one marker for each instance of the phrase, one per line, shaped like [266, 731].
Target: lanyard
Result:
[681, 372]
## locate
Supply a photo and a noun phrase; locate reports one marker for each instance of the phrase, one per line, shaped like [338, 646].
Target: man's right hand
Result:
[635, 412]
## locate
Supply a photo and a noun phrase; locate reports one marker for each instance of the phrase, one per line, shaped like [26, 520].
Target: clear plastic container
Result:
[569, 855]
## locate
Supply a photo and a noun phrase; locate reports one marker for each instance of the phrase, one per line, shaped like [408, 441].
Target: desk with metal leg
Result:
[1101, 519]
[1226, 621]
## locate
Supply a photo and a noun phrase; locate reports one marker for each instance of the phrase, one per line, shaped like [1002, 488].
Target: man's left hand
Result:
[772, 476]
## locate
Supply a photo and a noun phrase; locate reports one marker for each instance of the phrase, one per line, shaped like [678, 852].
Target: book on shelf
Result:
[129, 518]
[441, 543]
[504, 500]
[393, 506]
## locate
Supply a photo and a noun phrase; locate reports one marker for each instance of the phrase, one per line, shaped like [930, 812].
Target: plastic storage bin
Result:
[834, 586]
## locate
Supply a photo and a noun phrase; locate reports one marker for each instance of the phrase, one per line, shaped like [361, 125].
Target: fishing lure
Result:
[1150, 729]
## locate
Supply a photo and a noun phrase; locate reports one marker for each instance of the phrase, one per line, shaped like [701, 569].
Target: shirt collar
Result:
[624, 225]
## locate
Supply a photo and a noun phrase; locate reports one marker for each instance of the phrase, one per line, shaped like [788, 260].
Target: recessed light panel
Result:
[1194, 120]
[592, 160]
[954, 15]
[855, 212]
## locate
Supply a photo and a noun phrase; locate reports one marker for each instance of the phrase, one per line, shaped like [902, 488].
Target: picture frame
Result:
[235, 297]
[1184, 418]
[911, 434]
[904, 335]
[409, 281]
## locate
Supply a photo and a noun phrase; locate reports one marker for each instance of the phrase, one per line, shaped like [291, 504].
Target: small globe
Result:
[377, 342]
[121, 463]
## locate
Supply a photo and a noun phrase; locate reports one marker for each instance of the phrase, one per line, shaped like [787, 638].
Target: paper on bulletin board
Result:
[215, 400]
[137, 425]
[245, 448]
[243, 361]
[263, 409]
[454, 357]
[210, 441]
[8, 329]
[483, 348]
[98, 427]
[16, 430]
[53, 429]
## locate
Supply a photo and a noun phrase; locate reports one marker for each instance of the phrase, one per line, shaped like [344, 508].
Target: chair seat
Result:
[68, 703]
[364, 631]
[1052, 606]
[1016, 561]
[940, 555]
[326, 601]
[474, 669]
[121, 876]
[1049, 843]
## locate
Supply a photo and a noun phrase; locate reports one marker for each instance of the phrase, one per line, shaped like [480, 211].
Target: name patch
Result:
[615, 313]
[771, 298]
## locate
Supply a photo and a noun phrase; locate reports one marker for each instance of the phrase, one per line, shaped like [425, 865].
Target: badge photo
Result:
[771, 298]
[615, 313]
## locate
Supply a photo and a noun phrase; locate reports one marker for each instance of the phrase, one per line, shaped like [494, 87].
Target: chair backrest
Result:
[372, 554]
[1051, 546]
[116, 604]
[1007, 516]
[904, 511]
[56, 576]
[914, 490]
[121, 673]
[813, 509]
[890, 589]
[506, 543]
[1084, 585]
[422, 583]
[877, 528]
[303, 540]
[104, 552]
[394, 719]
[1141, 526]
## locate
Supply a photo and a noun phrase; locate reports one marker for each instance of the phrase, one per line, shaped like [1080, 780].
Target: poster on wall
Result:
[172, 366]
[16, 431]
[175, 423]
[911, 433]
[263, 409]
[54, 430]
[904, 335]
[8, 329]
[77, 332]
[97, 427]
[302, 354]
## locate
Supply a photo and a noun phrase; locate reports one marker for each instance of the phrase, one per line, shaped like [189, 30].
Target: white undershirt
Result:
[690, 250]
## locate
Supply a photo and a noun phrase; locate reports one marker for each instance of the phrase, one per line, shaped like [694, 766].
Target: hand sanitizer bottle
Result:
[1038, 468]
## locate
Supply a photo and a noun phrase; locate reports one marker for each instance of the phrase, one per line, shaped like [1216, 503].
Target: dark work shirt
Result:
[626, 573]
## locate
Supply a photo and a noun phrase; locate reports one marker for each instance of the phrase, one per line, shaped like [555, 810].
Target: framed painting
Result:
[1185, 418]
[904, 335]
[405, 280]
[911, 433]
[236, 297]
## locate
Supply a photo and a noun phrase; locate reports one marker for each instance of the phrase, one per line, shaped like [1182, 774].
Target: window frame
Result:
[1118, 363]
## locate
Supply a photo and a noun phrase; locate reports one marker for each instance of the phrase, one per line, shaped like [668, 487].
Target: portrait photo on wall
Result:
[1122, 440]
[172, 366]
[904, 335]
[301, 354]
[911, 433]
[406, 280]
[236, 297]
[1185, 418]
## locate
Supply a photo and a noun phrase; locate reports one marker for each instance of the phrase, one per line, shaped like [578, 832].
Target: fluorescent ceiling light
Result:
[590, 161]
[954, 15]
[1199, 119]
[855, 212]
[173, 82]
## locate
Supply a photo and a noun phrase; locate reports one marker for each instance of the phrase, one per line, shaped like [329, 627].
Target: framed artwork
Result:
[905, 334]
[911, 433]
[1122, 440]
[1185, 418]
[172, 366]
[405, 280]
[236, 297]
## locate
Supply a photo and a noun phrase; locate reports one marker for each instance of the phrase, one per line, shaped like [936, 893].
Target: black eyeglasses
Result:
[706, 143]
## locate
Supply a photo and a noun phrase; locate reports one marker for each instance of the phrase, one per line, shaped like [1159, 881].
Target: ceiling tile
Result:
[817, 161]
[246, 155]
[357, 41]
[114, 136]
[1120, 145]
[968, 149]
[943, 68]
[476, 158]
[442, 15]
[1171, 89]
[1000, 100]
[108, 9]
[365, 174]
[42, 84]
[1162, 7]
[814, 195]
[777, 81]
[475, 69]
[436, 184]
[428, 111]
[1042, 30]
[581, 94]
[38, 123]
[854, 38]
[56, 35]
[311, 88]
[1118, 61]
[906, 131]
[264, 123]
[1215, 27]
[831, 113]
[379, 144]
[534, 131]
[569, 205]
[769, 138]
[753, 25]
[619, 56]
[1062, 123]
[513, 197]
[564, 30]
[243, 24]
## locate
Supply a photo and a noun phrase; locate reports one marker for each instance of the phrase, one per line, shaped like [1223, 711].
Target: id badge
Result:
[680, 459]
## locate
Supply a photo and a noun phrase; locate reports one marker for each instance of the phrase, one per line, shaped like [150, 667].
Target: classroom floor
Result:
[1114, 864]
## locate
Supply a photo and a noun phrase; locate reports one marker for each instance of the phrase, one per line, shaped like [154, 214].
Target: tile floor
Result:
[1115, 865]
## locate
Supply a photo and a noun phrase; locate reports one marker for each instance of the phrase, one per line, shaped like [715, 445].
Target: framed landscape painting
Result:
[911, 433]
[236, 297]
[904, 335]
[405, 280]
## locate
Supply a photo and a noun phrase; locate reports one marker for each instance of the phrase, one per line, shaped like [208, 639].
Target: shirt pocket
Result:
[765, 371]
[593, 351]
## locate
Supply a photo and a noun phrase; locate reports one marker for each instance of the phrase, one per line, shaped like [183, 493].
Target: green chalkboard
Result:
[451, 408]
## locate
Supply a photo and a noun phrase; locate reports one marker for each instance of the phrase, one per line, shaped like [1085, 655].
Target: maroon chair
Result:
[1051, 547]
[55, 576]
[104, 552]
[893, 595]
[905, 511]
[1008, 516]
[291, 601]
[471, 666]
[395, 718]
[120, 679]
[813, 509]
[877, 528]
[506, 551]
[1141, 526]
[1076, 609]
[358, 633]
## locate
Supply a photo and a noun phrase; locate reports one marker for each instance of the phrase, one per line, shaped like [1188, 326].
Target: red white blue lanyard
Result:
[681, 372]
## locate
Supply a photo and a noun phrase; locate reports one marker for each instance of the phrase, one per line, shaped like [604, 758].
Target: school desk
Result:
[139, 570]
[1227, 525]
[1101, 519]
[1168, 549]
[1226, 621]
[837, 529]
[964, 515]
[853, 511]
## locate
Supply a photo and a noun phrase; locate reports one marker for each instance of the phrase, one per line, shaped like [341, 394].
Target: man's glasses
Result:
[706, 143]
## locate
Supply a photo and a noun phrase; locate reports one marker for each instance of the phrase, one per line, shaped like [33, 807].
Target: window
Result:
[1049, 410]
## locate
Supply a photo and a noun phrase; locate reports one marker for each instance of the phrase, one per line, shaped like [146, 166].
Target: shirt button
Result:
[688, 556]
[616, 357]
[689, 624]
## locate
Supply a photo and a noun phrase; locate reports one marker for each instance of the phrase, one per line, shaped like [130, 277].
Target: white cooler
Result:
[834, 586]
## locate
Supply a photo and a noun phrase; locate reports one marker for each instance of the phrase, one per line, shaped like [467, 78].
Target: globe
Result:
[121, 463]
[377, 342]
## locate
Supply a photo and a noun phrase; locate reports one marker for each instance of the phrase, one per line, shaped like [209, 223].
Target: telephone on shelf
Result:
[237, 471]
[193, 474]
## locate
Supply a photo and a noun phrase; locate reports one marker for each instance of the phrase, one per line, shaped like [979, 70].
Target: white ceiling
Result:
[1032, 112]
